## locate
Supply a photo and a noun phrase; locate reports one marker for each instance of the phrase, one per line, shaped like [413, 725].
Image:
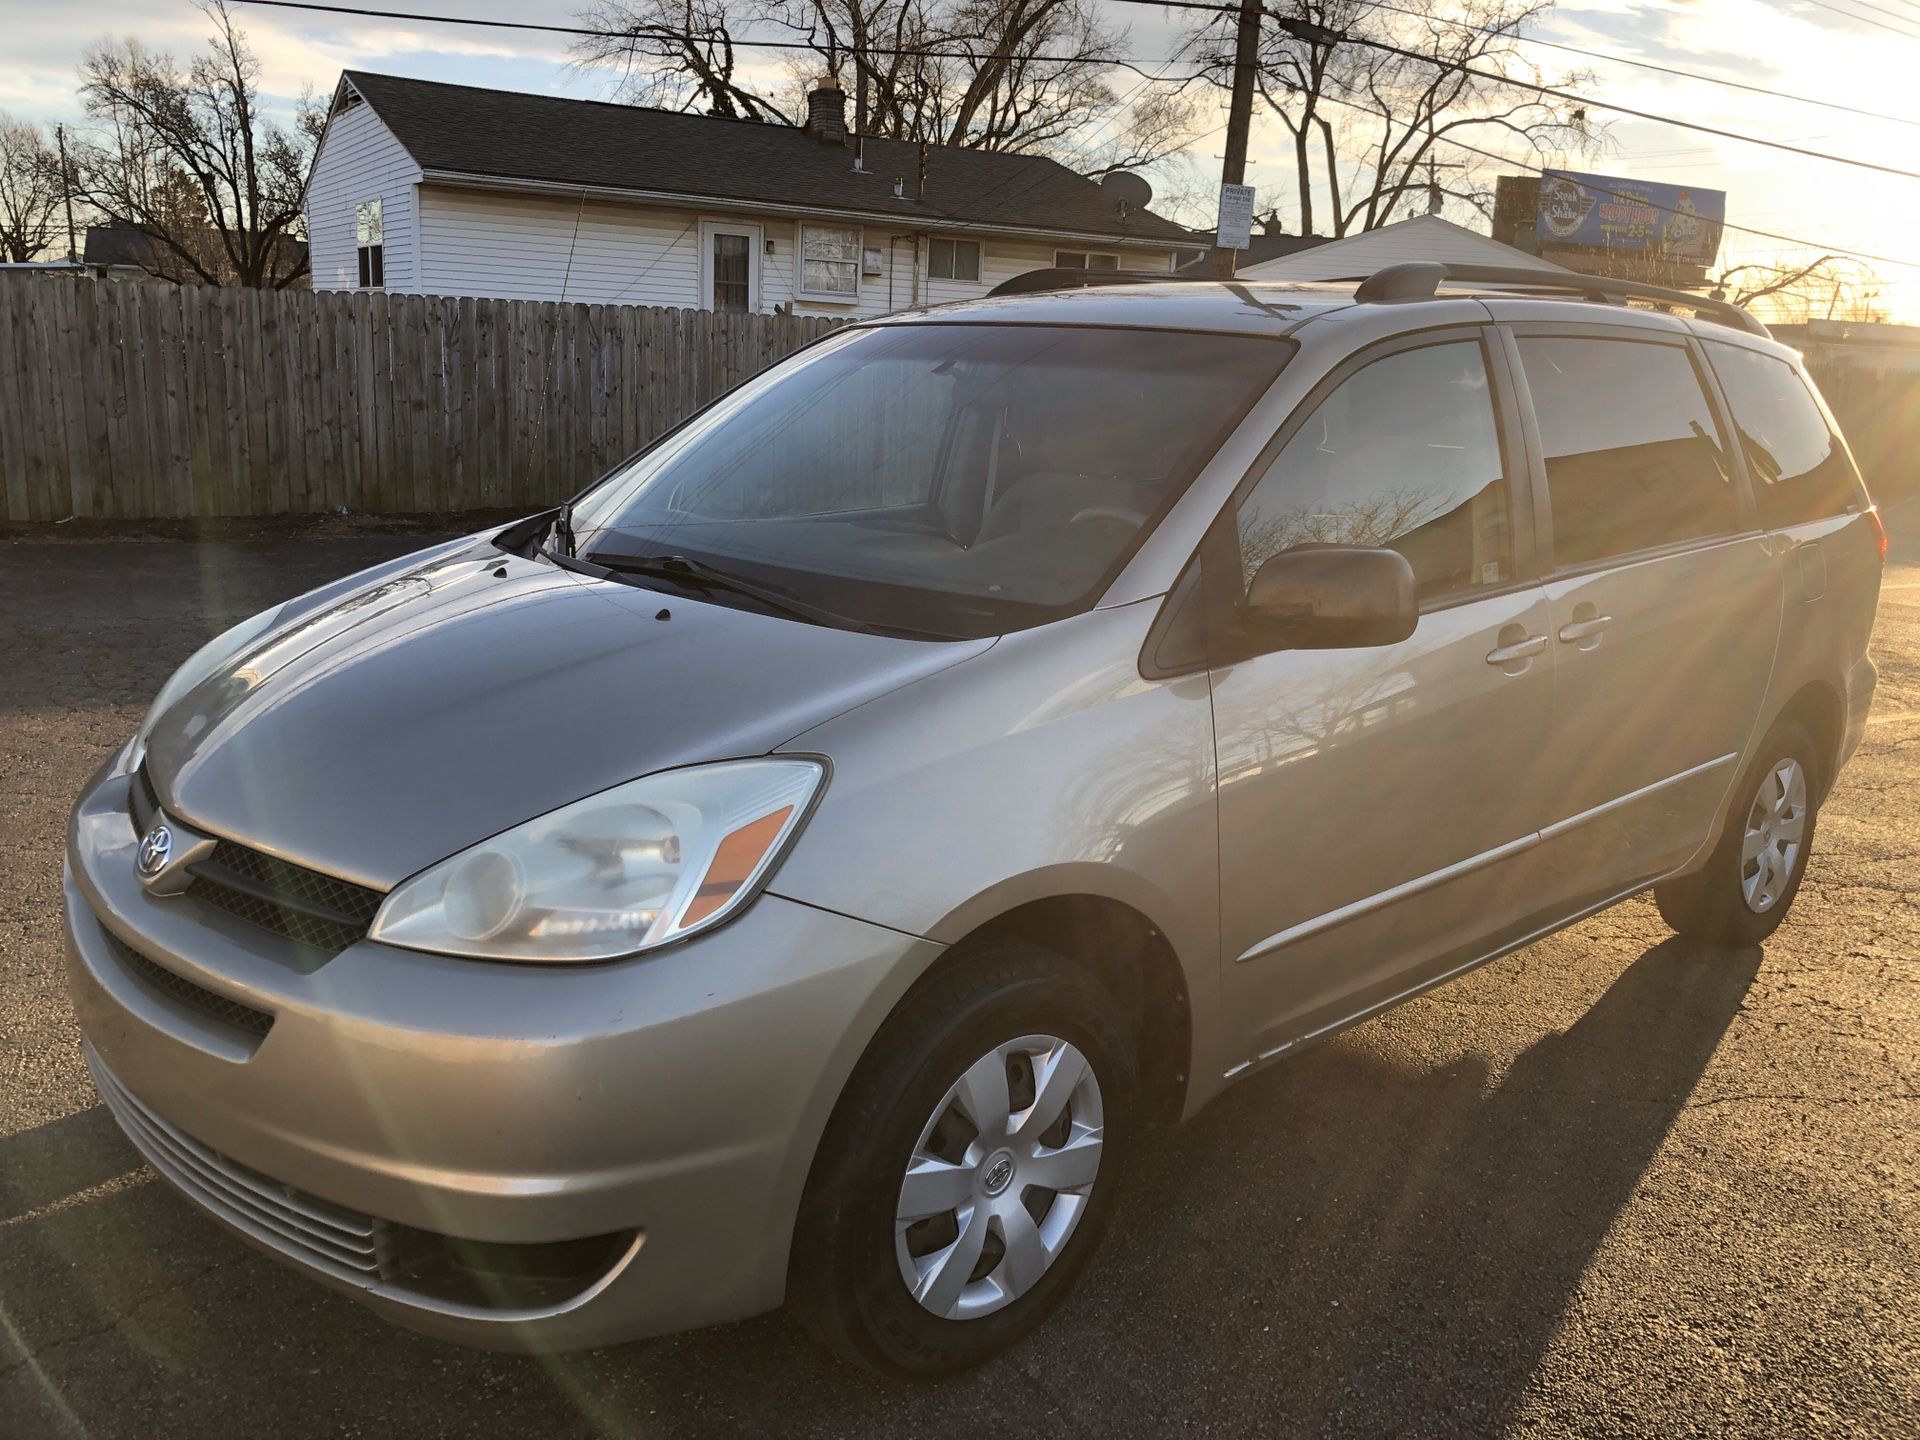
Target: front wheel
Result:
[970, 1168]
[1743, 892]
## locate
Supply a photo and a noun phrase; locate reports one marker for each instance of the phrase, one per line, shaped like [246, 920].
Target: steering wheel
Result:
[1133, 519]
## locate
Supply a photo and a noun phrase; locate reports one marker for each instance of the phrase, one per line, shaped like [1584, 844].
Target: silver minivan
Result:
[796, 870]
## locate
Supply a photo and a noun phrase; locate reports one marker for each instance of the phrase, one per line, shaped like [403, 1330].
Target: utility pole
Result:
[66, 190]
[1434, 198]
[1233, 167]
[1246, 60]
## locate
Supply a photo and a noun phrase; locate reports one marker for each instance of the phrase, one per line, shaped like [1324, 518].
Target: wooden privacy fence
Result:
[136, 401]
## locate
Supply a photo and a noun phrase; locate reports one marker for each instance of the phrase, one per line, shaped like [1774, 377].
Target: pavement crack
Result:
[113, 1322]
[1757, 1097]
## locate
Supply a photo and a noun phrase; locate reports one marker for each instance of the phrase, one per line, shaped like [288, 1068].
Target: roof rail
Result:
[1064, 277]
[1419, 279]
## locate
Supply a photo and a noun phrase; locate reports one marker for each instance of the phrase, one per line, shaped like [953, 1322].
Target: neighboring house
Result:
[120, 252]
[1424, 237]
[426, 188]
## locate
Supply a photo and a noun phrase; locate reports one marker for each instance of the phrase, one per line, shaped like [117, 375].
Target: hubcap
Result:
[999, 1178]
[1775, 835]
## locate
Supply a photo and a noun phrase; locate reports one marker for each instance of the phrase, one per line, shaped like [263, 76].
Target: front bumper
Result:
[680, 1096]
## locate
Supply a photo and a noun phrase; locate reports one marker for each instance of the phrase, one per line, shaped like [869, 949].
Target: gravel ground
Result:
[1612, 1185]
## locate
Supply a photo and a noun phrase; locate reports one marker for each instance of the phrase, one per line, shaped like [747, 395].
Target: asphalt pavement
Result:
[1613, 1185]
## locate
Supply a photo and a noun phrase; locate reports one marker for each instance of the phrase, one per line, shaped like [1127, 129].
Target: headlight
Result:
[625, 870]
[209, 658]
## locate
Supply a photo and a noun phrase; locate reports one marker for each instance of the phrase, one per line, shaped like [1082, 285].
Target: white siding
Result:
[359, 160]
[514, 246]
[524, 247]
[1424, 237]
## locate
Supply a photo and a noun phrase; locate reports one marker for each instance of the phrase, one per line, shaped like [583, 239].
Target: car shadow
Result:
[1348, 1244]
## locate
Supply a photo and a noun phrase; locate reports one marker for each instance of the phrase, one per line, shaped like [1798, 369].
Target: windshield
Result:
[936, 479]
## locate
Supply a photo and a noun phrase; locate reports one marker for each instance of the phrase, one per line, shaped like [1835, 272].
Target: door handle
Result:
[1585, 629]
[1519, 650]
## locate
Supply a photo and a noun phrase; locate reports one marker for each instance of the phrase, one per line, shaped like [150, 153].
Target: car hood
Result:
[374, 732]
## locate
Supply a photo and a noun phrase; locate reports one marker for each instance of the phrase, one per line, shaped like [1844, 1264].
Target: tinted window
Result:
[1404, 454]
[942, 479]
[1799, 472]
[1633, 458]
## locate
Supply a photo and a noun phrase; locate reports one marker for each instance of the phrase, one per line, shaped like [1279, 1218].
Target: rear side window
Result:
[1404, 455]
[1799, 470]
[1632, 457]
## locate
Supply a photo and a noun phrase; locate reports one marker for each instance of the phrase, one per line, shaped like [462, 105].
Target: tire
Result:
[1727, 902]
[911, 1099]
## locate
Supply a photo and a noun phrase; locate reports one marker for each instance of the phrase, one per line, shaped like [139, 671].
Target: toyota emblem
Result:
[156, 848]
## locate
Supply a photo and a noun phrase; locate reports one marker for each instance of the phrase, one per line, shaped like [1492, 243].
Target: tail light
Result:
[1879, 530]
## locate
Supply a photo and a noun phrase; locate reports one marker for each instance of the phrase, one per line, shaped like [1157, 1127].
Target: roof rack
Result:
[1419, 279]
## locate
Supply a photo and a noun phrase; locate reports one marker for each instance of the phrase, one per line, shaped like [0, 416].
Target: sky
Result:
[1866, 58]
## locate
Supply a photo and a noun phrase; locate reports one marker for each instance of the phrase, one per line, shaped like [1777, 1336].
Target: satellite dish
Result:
[1127, 189]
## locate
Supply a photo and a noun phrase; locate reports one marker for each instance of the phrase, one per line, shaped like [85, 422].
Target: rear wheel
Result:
[1743, 892]
[968, 1173]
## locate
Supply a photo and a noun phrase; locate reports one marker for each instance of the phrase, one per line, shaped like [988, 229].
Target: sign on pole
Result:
[1236, 217]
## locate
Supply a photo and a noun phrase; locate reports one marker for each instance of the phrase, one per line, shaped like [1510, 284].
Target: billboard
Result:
[1608, 212]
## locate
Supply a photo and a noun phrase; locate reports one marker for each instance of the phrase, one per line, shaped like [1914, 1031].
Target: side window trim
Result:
[1746, 516]
[1734, 453]
[1218, 556]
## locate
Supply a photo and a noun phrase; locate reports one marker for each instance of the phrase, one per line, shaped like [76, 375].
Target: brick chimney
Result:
[827, 113]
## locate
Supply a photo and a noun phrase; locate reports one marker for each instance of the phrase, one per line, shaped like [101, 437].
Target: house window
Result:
[732, 272]
[830, 261]
[1085, 260]
[953, 259]
[370, 237]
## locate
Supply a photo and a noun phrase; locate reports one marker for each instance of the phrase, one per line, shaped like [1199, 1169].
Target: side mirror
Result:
[1331, 597]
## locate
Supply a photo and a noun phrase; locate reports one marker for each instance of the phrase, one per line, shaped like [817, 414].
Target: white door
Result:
[730, 267]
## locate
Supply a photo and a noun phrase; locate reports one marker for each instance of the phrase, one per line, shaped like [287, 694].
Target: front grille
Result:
[303, 905]
[183, 991]
[330, 1238]
[144, 800]
[320, 911]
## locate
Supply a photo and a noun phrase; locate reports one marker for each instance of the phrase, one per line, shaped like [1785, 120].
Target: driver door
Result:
[1378, 806]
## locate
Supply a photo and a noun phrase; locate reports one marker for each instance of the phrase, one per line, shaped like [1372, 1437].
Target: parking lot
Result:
[1615, 1184]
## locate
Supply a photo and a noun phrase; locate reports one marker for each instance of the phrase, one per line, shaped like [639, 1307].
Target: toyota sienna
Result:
[797, 869]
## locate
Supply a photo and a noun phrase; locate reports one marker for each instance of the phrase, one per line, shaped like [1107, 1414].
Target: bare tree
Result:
[30, 190]
[1831, 287]
[1030, 76]
[677, 54]
[1370, 98]
[185, 157]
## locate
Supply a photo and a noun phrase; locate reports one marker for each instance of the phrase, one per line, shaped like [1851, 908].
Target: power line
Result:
[1215, 8]
[1613, 59]
[1865, 20]
[1078, 152]
[738, 41]
[1664, 209]
[1135, 64]
[1566, 95]
[1574, 99]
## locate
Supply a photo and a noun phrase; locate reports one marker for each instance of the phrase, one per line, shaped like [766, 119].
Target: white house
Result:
[426, 188]
[1424, 237]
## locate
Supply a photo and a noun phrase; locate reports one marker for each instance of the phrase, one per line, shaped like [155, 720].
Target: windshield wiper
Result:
[697, 573]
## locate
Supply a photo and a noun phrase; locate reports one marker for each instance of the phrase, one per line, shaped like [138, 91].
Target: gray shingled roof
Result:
[511, 135]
